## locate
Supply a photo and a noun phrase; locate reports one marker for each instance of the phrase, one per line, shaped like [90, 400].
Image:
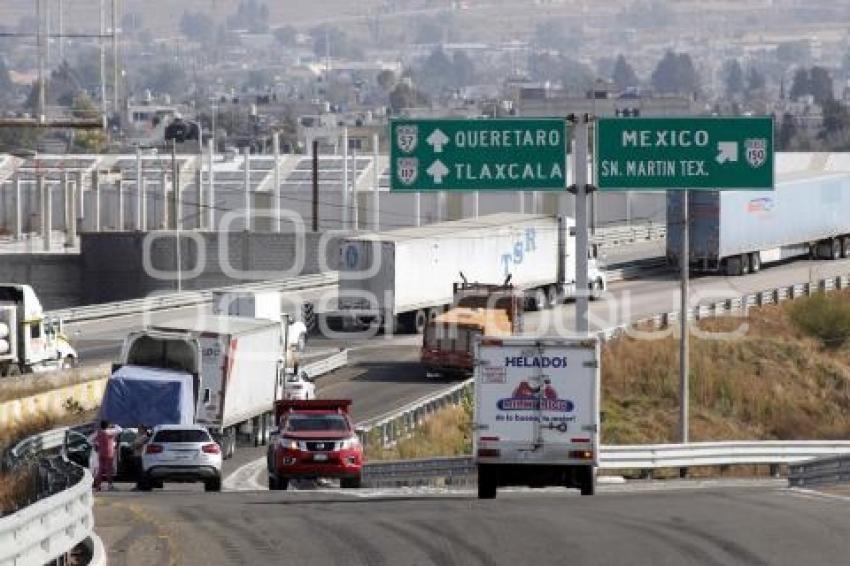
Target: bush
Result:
[825, 317]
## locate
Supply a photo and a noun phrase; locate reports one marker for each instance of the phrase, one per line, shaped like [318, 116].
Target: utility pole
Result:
[315, 185]
[684, 368]
[115, 62]
[582, 295]
[102, 45]
[276, 179]
[40, 56]
[61, 30]
[376, 195]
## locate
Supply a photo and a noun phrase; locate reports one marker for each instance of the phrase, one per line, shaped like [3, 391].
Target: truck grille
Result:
[320, 446]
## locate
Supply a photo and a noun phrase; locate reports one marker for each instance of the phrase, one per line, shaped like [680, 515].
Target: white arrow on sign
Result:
[437, 170]
[437, 140]
[727, 151]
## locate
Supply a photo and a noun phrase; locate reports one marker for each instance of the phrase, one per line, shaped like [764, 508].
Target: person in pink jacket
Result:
[104, 442]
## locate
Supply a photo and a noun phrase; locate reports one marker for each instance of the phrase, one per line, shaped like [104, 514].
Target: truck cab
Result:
[29, 341]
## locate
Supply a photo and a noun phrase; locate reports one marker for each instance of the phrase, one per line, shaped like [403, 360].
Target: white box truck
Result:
[268, 305]
[29, 342]
[232, 367]
[536, 419]
[403, 278]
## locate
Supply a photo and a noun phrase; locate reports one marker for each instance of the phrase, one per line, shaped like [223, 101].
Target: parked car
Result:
[181, 453]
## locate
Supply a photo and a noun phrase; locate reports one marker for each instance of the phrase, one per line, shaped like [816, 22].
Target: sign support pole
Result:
[582, 296]
[684, 370]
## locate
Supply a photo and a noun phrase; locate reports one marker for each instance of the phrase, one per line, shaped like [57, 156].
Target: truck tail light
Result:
[489, 452]
[211, 448]
[581, 454]
[153, 449]
[489, 439]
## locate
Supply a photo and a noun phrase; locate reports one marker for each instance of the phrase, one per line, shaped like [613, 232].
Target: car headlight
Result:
[288, 444]
[350, 443]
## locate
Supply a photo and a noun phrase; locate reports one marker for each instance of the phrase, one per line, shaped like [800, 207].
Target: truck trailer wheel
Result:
[350, 483]
[487, 483]
[755, 262]
[835, 249]
[733, 266]
[845, 247]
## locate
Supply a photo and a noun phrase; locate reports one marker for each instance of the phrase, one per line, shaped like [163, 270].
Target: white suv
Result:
[180, 453]
[298, 387]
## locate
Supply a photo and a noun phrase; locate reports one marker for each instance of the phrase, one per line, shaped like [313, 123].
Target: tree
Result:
[675, 74]
[787, 132]
[6, 84]
[821, 86]
[166, 78]
[755, 80]
[463, 69]
[801, 84]
[287, 35]
[404, 96]
[386, 80]
[87, 141]
[334, 42]
[733, 77]
[624, 75]
[836, 122]
[794, 52]
[197, 26]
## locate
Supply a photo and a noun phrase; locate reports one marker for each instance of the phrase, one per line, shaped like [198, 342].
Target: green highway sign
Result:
[684, 153]
[478, 155]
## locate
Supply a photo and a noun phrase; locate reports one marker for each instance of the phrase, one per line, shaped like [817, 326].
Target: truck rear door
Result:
[536, 401]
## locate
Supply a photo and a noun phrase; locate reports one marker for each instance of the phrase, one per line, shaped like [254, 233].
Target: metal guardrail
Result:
[325, 365]
[609, 236]
[734, 305]
[819, 472]
[188, 298]
[391, 426]
[649, 457]
[59, 516]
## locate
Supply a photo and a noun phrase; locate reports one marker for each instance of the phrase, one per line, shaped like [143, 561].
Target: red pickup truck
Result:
[315, 439]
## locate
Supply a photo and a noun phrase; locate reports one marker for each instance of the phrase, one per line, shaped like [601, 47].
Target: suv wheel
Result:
[144, 483]
[213, 484]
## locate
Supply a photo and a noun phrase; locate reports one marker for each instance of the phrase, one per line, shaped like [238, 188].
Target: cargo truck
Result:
[536, 419]
[736, 232]
[224, 373]
[478, 309]
[402, 278]
[30, 342]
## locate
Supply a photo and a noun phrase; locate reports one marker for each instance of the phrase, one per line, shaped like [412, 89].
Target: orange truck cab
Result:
[315, 439]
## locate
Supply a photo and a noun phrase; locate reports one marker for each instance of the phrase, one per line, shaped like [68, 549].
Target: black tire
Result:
[213, 484]
[588, 481]
[230, 444]
[144, 483]
[434, 312]
[68, 362]
[308, 316]
[418, 322]
[745, 264]
[755, 262]
[539, 299]
[552, 298]
[596, 289]
[13, 370]
[487, 483]
[350, 483]
[845, 247]
[835, 248]
[733, 266]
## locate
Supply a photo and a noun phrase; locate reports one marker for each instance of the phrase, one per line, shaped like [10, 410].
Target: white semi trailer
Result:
[403, 278]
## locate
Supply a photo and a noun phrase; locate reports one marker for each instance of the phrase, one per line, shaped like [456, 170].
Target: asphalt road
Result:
[747, 523]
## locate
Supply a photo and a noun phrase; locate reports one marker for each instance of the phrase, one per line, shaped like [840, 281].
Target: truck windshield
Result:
[310, 423]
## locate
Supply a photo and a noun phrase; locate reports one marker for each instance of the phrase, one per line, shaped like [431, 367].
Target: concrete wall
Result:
[131, 265]
[56, 278]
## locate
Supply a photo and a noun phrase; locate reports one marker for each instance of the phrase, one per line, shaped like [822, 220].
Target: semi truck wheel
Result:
[755, 262]
[733, 266]
[487, 483]
[835, 249]
[350, 483]
[420, 319]
[745, 264]
[277, 484]
[845, 247]
[552, 299]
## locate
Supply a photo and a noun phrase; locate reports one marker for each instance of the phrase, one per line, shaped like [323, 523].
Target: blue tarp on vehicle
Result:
[138, 395]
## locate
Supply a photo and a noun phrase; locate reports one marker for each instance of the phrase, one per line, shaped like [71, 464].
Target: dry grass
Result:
[776, 382]
[444, 434]
[32, 384]
[16, 490]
